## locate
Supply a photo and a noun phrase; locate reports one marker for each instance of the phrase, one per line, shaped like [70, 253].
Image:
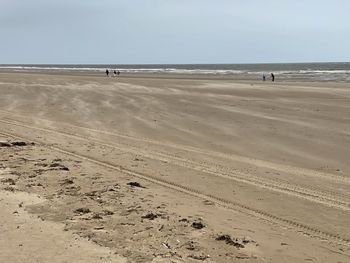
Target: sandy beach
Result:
[162, 169]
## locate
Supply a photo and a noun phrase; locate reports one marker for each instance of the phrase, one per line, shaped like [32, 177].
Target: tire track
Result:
[272, 185]
[228, 204]
[325, 193]
[255, 162]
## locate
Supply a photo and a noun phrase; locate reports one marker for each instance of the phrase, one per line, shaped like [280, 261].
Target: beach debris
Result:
[82, 210]
[14, 143]
[199, 257]
[67, 182]
[64, 168]
[184, 220]
[9, 181]
[9, 188]
[229, 241]
[19, 143]
[150, 216]
[135, 184]
[198, 225]
[166, 245]
[59, 166]
[5, 144]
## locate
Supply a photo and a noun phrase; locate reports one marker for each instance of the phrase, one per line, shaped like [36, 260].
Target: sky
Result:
[173, 31]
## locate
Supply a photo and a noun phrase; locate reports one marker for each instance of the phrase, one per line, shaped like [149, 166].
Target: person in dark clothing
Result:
[264, 78]
[114, 73]
[107, 72]
[118, 72]
[272, 77]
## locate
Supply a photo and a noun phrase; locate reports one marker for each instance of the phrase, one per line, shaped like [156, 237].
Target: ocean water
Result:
[299, 71]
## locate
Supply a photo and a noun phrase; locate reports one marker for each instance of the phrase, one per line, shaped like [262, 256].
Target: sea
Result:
[336, 71]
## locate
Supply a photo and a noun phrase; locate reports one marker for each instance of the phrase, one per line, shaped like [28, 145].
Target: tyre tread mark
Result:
[256, 162]
[194, 192]
[274, 185]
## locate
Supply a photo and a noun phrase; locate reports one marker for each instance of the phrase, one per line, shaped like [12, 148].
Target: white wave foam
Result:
[304, 73]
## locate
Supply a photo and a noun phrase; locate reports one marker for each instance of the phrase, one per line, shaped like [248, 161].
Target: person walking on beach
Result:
[118, 72]
[107, 72]
[264, 77]
[114, 73]
[272, 77]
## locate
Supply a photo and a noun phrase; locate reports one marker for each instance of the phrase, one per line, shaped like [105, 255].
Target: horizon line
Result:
[125, 64]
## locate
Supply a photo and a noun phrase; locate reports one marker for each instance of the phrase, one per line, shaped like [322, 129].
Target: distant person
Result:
[107, 72]
[118, 72]
[264, 77]
[272, 77]
[114, 73]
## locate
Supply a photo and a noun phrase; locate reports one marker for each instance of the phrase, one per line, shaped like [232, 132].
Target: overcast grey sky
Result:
[174, 31]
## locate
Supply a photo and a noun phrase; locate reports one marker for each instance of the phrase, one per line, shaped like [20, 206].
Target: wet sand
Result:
[225, 170]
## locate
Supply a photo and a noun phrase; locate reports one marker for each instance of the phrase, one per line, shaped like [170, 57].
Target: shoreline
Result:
[286, 72]
[172, 76]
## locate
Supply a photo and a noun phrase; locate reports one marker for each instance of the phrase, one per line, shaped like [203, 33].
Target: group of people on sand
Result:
[115, 73]
[272, 77]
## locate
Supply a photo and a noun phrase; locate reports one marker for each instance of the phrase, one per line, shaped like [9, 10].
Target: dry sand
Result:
[228, 171]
